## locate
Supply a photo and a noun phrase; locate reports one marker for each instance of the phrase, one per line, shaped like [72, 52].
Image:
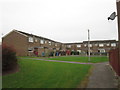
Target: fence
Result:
[114, 60]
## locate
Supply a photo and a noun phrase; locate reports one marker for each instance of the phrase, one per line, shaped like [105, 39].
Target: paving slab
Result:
[102, 77]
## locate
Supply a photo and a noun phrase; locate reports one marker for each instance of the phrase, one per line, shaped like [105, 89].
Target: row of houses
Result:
[28, 45]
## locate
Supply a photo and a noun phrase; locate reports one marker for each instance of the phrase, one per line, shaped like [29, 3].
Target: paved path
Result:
[102, 77]
[58, 61]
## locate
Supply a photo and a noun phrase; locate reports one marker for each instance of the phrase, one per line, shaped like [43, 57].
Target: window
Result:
[113, 44]
[79, 51]
[52, 43]
[30, 49]
[96, 44]
[101, 45]
[56, 44]
[35, 39]
[42, 41]
[45, 41]
[30, 39]
[69, 46]
[101, 50]
[49, 42]
[85, 45]
[108, 44]
[90, 45]
[78, 45]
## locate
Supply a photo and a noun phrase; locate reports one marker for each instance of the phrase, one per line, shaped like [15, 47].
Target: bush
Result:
[9, 59]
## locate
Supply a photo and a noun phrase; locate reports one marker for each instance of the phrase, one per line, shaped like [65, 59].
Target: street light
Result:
[88, 45]
[112, 16]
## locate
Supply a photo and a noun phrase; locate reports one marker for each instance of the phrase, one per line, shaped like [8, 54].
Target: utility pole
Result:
[88, 45]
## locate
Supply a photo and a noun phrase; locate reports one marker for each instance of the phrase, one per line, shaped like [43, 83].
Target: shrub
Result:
[9, 59]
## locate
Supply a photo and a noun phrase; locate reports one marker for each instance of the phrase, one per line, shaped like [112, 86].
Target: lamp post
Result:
[118, 14]
[88, 45]
[112, 17]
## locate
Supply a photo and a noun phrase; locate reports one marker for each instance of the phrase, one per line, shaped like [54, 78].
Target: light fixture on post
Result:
[112, 16]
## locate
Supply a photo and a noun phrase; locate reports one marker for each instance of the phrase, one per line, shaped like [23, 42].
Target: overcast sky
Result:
[60, 20]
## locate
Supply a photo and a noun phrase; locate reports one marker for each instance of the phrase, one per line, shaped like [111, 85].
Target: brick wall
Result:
[18, 41]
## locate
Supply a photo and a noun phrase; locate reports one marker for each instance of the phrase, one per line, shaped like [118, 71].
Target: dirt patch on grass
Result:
[84, 83]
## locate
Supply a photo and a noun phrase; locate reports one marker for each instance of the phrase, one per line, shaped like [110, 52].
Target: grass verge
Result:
[44, 74]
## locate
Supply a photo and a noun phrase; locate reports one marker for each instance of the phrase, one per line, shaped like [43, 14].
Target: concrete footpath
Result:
[102, 77]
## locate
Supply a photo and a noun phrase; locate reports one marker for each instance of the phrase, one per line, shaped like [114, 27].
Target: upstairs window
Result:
[49, 42]
[42, 41]
[35, 39]
[113, 44]
[90, 45]
[69, 46]
[30, 39]
[101, 45]
[85, 45]
[53, 43]
[96, 44]
[56, 44]
[108, 44]
[45, 41]
[78, 45]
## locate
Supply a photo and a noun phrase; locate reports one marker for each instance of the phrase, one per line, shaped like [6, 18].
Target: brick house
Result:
[98, 46]
[26, 44]
[101, 46]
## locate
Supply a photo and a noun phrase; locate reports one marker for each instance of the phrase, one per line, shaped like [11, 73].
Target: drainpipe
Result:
[118, 13]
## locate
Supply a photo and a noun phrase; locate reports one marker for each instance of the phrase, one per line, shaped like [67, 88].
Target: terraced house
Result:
[96, 47]
[28, 45]
[25, 44]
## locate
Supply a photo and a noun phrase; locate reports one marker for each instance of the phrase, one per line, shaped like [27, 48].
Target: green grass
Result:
[81, 59]
[76, 59]
[45, 74]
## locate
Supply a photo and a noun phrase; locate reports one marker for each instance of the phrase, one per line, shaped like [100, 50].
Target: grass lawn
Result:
[45, 74]
[81, 59]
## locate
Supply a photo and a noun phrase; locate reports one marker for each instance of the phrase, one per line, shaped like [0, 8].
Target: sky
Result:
[64, 21]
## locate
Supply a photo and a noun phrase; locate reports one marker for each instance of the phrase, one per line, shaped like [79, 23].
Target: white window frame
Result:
[101, 45]
[45, 41]
[96, 44]
[30, 49]
[102, 50]
[69, 46]
[85, 45]
[42, 41]
[113, 44]
[36, 39]
[49, 42]
[79, 51]
[30, 39]
[55, 44]
[107, 44]
[90, 45]
[79, 45]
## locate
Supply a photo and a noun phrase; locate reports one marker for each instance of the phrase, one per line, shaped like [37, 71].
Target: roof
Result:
[101, 41]
[72, 43]
[32, 35]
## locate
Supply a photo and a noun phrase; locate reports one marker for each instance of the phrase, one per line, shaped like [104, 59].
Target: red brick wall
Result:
[18, 41]
[114, 60]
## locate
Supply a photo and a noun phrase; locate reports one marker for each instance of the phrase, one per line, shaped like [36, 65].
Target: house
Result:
[26, 44]
[29, 45]
[96, 47]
